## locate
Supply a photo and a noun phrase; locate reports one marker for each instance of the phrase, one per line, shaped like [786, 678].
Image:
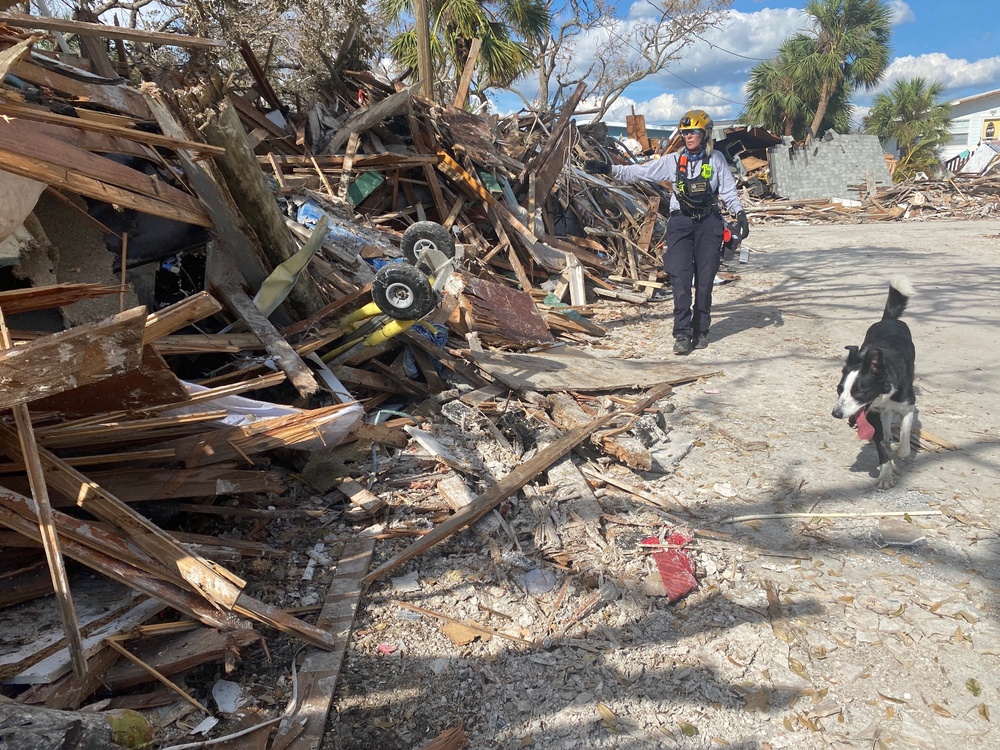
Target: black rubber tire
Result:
[424, 234]
[402, 291]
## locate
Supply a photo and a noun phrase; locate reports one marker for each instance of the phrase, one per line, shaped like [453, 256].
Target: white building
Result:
[973, 119]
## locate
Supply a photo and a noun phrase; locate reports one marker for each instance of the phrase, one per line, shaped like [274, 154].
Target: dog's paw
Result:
[900, 450]
[897, 468]
[886, 476]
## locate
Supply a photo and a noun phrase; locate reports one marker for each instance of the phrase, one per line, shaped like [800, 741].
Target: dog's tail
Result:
[900, 291]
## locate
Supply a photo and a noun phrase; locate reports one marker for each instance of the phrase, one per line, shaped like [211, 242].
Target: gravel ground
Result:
[837, 629]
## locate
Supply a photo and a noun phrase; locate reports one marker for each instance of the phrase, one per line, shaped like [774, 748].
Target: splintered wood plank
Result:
[515, 480]
[76, 181]
[150, 384]
[235, 443]
[141, 485]
[79, 356]
[53, 295]
[117, 562]
[106, 608]
[33, 114]
[304, 729]
[24, 138]
[84, 28]
[203, 577]
[176, 652]
[179, 315]
[503, 315]
[121, 99]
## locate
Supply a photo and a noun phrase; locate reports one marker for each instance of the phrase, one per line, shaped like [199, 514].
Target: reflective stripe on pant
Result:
[692, 258]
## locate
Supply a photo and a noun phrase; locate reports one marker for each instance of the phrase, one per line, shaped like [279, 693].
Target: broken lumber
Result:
[50, 541]
[304, 729]
[68, 359]
[515, 480]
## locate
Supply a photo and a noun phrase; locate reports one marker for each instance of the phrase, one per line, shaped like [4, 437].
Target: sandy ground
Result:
[877, 633]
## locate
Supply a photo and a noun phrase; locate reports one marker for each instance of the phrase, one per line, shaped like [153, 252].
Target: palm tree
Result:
[507, 28]
[774, 98]
[911, 114]
[851, 39]
[782, 103]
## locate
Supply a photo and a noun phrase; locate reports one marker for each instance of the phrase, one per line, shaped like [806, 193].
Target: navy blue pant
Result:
[692, 259]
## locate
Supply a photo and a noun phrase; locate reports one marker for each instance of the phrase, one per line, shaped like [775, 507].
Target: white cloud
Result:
[954, 74]
[901, 12]
[708, 75]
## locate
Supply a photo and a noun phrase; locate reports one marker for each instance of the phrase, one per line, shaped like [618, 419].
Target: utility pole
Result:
[421, 17]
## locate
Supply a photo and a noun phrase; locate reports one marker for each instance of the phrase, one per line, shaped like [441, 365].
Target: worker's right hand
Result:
[743, 224]
[594, 166]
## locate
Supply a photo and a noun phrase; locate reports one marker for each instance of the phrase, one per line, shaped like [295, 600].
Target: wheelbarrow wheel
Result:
[426, 235]
[402, 291]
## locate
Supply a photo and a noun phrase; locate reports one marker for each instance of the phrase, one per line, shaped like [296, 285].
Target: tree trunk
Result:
[253, 197]
[824, 101]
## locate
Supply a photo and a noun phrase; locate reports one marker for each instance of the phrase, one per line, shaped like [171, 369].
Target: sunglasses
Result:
[686, 133]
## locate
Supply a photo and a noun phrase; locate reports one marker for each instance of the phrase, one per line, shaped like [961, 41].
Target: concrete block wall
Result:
[826, 166]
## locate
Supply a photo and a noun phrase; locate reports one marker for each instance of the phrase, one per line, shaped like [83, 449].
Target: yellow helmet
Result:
[696, 119]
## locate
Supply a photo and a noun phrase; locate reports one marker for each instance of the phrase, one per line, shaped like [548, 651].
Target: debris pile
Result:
[211, 298]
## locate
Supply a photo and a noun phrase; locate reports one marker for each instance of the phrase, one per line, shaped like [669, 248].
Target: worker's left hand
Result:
[594, 166]
[743, 224]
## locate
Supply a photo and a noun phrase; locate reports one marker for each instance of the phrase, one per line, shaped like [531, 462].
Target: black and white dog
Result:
[878, 381]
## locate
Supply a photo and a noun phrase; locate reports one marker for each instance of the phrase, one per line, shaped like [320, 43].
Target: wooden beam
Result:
[515, 480]
[425, 63]
[118, 563]
[34, 114]
[470, 67]
[110, 32]
[299, 375]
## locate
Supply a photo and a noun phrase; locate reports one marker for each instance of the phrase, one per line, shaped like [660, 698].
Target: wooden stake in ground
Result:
[121, 294]
[57, 567]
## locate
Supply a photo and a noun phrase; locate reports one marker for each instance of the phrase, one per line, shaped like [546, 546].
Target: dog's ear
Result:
[852, 354]
[874, 361]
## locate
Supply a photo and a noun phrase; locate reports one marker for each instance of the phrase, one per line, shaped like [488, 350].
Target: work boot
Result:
[701, 342]
[682, 346]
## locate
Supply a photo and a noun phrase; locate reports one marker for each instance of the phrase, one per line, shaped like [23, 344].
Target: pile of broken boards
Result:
[959, 197]
[220, 195]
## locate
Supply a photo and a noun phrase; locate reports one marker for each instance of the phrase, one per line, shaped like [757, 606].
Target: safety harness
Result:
[695, 194]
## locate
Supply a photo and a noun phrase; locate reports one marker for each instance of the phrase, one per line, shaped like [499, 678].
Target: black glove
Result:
[593, 166]
[743, 224]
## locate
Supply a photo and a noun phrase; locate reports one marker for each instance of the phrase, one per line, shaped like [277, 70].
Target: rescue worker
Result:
[700, 178]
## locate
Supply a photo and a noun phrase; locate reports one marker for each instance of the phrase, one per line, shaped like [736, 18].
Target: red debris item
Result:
[675, 565]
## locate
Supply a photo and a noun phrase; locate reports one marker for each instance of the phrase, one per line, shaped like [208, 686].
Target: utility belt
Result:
[697, 216]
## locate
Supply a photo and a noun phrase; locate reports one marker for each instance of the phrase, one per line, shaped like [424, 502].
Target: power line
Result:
[729, 51]
[710, 93]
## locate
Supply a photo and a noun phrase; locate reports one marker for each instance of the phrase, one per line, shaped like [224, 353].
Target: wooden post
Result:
[470, 67]
[50, 542]
[422, 26]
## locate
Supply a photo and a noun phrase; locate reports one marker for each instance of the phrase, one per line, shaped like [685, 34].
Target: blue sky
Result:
[954, 41]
